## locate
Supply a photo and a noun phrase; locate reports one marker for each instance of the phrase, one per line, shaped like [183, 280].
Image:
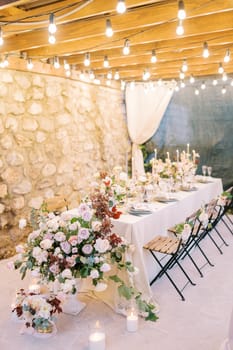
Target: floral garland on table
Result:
[79, 243]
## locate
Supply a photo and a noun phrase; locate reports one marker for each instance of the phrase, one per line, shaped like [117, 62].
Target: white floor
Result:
[201, 322]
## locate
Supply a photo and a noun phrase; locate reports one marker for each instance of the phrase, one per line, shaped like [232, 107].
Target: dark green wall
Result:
[205, 122]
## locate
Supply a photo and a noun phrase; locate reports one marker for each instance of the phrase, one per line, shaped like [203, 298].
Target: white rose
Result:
[46, 244]
[60, 236]
[94, 274]
[67, 287]
[36, 251]
[22, 223]
[96, 225]
[105, 267]
[100, 287]
[67, 273]
[102, 245]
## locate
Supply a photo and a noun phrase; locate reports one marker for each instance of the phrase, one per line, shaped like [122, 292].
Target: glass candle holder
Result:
[97, 337]
[132, 320]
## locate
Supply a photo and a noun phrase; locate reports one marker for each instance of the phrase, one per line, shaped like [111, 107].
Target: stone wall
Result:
[55, 133]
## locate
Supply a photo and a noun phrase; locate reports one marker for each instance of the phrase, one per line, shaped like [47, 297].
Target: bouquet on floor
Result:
[36, 311]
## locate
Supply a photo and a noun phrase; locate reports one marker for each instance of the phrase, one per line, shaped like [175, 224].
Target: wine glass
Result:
[209, 171]
[204, 170]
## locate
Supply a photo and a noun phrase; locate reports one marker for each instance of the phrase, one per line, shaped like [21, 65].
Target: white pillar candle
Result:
[177, 155]
[97, 340]
[194, 156]
[155, 152]
[168, 156]
[132, 322]
[187, 148]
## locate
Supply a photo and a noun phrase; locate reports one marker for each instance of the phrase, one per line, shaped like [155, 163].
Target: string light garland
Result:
[179, 2]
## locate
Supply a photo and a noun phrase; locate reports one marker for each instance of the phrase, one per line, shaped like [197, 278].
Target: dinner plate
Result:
[139, 212]
[165, 200]
[186, 189]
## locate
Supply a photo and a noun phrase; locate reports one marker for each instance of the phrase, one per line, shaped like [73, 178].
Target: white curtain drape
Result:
[145, 109]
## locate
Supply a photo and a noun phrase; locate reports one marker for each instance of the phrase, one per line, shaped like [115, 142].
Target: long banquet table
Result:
[139, 230]
[73, 331]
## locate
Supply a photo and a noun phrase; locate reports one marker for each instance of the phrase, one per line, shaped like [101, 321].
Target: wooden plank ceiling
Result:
[148, 25]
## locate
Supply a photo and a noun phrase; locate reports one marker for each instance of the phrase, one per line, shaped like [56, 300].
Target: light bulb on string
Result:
[87, 59]
[182, 84]
[224, 90]
[196, 92]
[109, 75]
[224, 77]
[81, 75]
[205, 50]
[52, 26]
[121, 8]
[91, 75]
[108, 82]
[146, 75]
[182, 75]
[66, 65]
[52, 39]
[160, 82]
[122, 85]
[192, 79]
[56, 62]
[108, 31]
[184, 67]
[180, 28]
[117, 75]
[220, 68]
[215, 82]
[132, 85]
[126, 48]
[29, 64]
[226, 58]
[181, 10]
[232, 82]
[5, 61]
[153, 57]
[68, 73]
[177, 88]
[203, 86]
[106, 63]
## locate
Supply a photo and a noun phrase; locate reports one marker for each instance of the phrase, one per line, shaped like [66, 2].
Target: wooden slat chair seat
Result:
[170, 247]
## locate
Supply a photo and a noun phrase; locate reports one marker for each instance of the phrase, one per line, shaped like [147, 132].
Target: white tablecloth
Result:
[140, 230]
